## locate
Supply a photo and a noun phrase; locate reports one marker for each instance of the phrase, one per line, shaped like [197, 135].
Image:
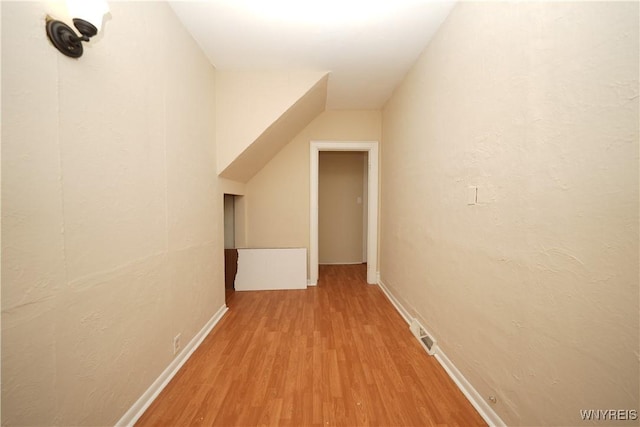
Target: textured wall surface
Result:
[533, 292]
[277, 197]
[112, 219]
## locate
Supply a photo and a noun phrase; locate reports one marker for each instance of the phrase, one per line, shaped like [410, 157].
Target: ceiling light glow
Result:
[324, 12]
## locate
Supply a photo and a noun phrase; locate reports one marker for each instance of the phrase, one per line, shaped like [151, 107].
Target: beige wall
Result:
[229, 221]
[240, 221]
[277, 197]
[112, 219]
[340, 207]
[533, 292]
[228, 186]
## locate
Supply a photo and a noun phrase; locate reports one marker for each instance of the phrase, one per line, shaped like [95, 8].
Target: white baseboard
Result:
[141, 405]
[310, 283]
[486, 412]
[403, 312]
[472, 395]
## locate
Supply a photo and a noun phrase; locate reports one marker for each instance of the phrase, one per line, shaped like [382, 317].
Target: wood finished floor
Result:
[337, 354]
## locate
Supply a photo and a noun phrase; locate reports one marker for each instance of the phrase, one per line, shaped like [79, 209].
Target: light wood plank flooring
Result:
[337, 354]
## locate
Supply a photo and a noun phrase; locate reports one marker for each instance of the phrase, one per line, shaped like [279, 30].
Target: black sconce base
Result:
[64, 38]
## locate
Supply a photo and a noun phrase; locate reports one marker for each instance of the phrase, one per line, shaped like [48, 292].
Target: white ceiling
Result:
[367, 45]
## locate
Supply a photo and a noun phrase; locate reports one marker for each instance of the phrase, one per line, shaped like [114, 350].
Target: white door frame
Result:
[371, 147]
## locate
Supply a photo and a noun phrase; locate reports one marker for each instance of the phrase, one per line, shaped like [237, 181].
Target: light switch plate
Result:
[472, 195]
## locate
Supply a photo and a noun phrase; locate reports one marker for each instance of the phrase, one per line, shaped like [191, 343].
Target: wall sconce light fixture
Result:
[87, 19]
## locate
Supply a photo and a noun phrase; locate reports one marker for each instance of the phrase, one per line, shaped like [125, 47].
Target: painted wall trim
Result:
[486, 412]
[141, 405]
[472, 395]
[371, 147]
[310, 283]
[403, 312]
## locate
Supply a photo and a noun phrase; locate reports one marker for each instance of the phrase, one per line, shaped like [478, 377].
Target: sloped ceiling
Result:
[252, 107]
[367, 45]
[272, 59]
[276, 136]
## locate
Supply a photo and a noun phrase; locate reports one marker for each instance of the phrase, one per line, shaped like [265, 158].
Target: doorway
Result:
[230, 249]
[371, 148]
[342, 209]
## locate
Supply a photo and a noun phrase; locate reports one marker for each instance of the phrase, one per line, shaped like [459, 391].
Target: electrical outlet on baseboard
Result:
[176, 343]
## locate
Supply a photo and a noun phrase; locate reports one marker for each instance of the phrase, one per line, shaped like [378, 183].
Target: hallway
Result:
[335, 354]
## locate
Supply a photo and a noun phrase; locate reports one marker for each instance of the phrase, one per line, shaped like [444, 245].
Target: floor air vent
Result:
[426, 339]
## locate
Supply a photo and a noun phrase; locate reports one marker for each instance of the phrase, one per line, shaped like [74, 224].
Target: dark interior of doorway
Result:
[230, 251]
